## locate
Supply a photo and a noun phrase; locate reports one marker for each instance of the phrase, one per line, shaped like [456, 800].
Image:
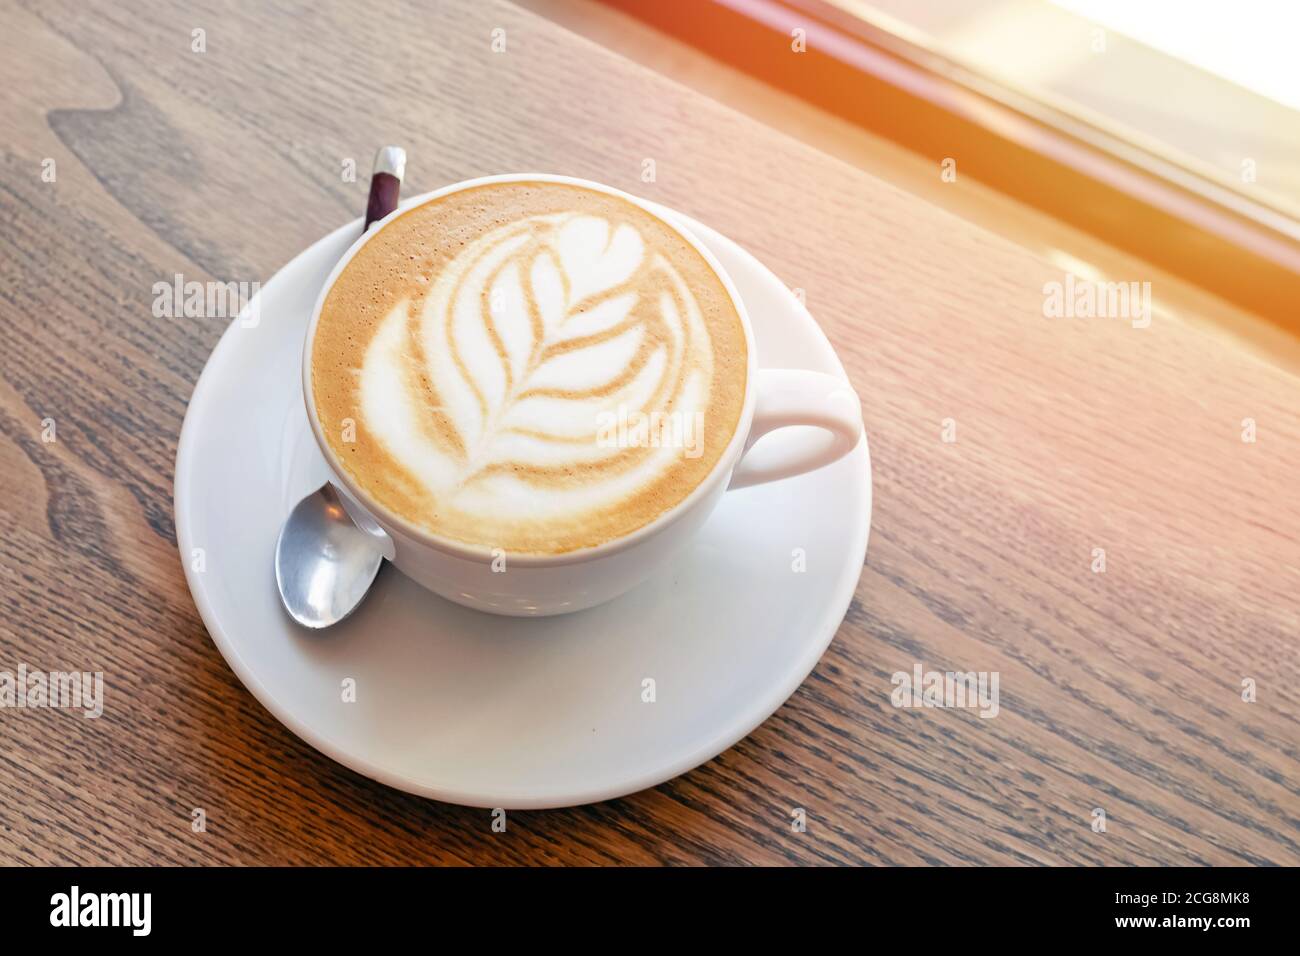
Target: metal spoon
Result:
[325, 564]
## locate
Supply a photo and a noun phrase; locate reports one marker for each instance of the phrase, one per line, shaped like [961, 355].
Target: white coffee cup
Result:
[535, 585]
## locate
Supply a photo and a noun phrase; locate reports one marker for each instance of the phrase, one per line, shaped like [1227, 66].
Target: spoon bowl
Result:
[324, 564]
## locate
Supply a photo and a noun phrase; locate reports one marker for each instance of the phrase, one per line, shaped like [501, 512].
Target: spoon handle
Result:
[385, 183]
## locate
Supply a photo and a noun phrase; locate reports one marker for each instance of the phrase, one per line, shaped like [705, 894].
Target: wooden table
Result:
[1120, 690]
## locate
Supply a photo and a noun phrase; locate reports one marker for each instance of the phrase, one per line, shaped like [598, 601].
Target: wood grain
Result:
[1120, 690]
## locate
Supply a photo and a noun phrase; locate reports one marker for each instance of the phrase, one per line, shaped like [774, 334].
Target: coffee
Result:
[531, 366]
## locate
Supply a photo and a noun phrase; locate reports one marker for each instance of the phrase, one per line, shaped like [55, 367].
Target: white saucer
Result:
[512, 712]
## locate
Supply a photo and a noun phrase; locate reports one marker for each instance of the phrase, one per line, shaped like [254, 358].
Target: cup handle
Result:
[788, 397]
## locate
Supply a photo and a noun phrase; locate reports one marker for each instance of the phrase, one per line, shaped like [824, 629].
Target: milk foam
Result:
[489, 389]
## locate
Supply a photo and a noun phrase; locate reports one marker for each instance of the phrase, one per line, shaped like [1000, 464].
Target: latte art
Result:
[493, 386]
[530, 366]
